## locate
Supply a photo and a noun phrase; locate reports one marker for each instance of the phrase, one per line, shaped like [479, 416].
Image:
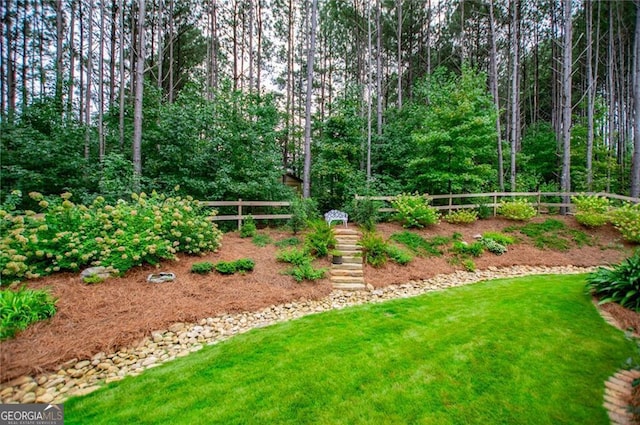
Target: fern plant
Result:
[621, 284]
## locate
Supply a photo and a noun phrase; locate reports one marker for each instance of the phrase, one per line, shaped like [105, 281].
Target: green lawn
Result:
[515, 351]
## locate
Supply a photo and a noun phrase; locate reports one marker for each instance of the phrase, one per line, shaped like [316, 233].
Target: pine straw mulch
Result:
[121, 311]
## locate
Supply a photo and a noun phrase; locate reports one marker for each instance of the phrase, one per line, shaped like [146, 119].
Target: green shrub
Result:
[302, 210]
[294, 256]
[320, 240]
[245, 265]
[419, 245]
[398, 255]
[414, 211]
[283, 243]
[261, 240]
[226, 267]
[306, 272]
[365, 213]
[469, 265]
[493, 246]
[203, 267]
[92, 279]
[475, 249]
[627, 220]
[591, 211]
[484, 211]
[618, 285]
[67, 236]
[461, 217]
[248, 228]
[501, 238]
[18, 309]
[374, 249]
[518, 209]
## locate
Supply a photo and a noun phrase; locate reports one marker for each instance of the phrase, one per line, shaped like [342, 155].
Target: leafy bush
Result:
[469, 265]
[627, 220]
[67, 236]
[493, 246]
[518, 209]
[501, 238]
[226, 267]
[283, 243]
[620, 284]
[320, 239]
[374, 249]
[461, 217]
[414, 211]
[245, 265]
[365, 213]
[248, 228]
[203, 267]
[484, 211]
[398, 255]
[261, 240]
[294, 256]
[306, 272]
[591, 211]
[475, 249]
[18, 309]
[420, 245]
[302, 210]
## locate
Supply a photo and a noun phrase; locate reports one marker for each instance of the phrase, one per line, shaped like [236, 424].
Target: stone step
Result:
[345, 231]
[342, 272]
[349, 286]
[352, 259]
[347, 266]
[347, 247]
[348, 237]
[347, 279]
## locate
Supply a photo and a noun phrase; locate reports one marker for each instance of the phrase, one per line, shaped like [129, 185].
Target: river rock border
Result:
[82, 376]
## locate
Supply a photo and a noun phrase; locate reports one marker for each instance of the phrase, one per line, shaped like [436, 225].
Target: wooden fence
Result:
[243, 214]
[538, 199]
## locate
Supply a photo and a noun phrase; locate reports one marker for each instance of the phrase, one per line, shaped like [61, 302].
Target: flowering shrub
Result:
[627, 220]
[415, 211]
[518, 209]
[461, 217]
[66, 236]
[591, 210]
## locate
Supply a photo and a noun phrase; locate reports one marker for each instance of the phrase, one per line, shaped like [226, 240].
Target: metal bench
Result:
[335, 215]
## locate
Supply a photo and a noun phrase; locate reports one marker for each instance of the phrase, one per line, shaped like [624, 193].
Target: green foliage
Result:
[484, 211]
[18, 309]
[248, 228]
[261, 240]
[538, 159]
[295, 256]
[455, 150]
[306, 272]
[302, 210]
[365, 213]
[493, 246]
[245, 265]
[461, 216]
[518, 209]
[419, 245]
[374, 249]
[92, 279]
[553, 234]
[414, 210]
[591, 211]
[475, 249]
[320, 239]
[627, 220]
[67, 236]
[283, 243]
[469, 265]
[225, 267]
[203, 267]
[620, 284]
[501, 238]
[398, 255]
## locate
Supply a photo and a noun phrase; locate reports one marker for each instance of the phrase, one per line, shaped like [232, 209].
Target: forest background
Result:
[221, 98]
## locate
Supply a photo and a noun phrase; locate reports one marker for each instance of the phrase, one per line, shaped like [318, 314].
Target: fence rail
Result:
[242, 215]
[496, 196]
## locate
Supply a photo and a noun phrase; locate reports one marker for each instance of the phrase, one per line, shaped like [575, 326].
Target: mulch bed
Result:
[119, 312]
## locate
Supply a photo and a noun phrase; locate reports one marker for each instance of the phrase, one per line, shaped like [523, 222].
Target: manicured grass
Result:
[519, 351]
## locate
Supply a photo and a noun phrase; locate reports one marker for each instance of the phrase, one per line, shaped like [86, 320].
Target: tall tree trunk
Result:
[160, 79]
[635, 162]
[137, 113]
[172, 37]
[493, 82]
[122, 77]
[515, 90]
[399, 36]
[3, 61]
[565, 179]
[112, 54]
[72, 60]
[588, 7]
[59, 53]
[369, 91]
[259, 42]
[87, 101]
[235, 45]
[101, 143]
[25, 66]
[251, 57]
[612, 96]
[11, 66]
[306, 181]
[379, 68]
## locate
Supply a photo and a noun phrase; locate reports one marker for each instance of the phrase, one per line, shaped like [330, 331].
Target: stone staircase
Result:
[348, 275]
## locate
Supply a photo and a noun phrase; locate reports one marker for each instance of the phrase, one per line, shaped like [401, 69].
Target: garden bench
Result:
[335, 215]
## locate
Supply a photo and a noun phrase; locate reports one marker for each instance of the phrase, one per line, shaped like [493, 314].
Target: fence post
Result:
[539, 199]
[495, 204]
[239, 213]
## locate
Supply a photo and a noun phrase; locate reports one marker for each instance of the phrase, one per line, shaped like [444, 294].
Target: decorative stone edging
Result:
[617, 396]
[82, 376]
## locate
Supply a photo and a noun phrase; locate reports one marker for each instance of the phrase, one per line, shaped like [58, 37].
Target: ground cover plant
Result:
[419, 245]
[302, 261]
[553, 234]
[67, 236]
[19, 309]
[261, 240]
[242, 265]
[507, 351]
[202, 267]
[619, 284]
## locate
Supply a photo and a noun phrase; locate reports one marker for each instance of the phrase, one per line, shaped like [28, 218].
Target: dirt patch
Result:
[118, 313]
